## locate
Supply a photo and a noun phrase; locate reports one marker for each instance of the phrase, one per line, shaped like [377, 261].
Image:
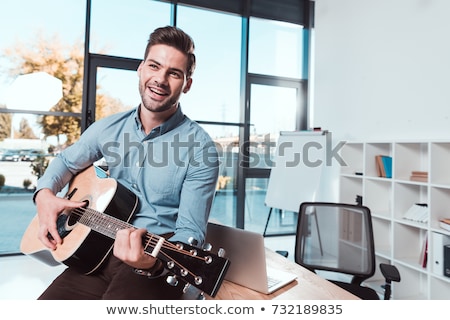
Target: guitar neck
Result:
[102, 222]
[108, 226]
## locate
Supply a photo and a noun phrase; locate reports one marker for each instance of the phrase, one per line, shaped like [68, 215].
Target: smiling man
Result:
[163, 76]
[167, 160]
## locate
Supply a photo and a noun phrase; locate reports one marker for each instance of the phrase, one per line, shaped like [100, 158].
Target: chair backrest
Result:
[336, 237]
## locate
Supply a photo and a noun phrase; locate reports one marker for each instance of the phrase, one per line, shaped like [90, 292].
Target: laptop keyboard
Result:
[272, 281]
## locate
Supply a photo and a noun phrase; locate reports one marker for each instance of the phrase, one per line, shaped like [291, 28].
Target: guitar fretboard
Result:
[101, 222]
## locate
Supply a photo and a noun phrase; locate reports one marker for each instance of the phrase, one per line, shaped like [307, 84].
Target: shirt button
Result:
[137, 164]
[134, 185]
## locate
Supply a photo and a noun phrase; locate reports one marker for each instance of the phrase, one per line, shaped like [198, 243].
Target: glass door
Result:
[275, 104]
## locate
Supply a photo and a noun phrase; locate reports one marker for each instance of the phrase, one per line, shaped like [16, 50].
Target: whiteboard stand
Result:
[297, 173]
[267, 222]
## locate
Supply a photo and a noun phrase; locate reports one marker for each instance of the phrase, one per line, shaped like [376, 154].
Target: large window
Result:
[249, 84]
[276, 48]
[215, 91]
[117, 90]
[121, 28]
[41, 59]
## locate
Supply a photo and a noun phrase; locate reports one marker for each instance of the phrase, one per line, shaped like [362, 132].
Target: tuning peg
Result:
[192, 293]
[172, 280]
[207, 246]
[221, 253]
[192, 241]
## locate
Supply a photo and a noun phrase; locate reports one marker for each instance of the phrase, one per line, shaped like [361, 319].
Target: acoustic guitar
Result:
[88, 235]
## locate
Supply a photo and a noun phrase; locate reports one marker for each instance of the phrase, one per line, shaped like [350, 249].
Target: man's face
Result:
[162, 78]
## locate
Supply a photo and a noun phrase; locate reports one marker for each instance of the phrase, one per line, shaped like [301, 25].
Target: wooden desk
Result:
[307, 286]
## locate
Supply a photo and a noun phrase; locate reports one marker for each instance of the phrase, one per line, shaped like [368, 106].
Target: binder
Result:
[447, 260]
[439, 242]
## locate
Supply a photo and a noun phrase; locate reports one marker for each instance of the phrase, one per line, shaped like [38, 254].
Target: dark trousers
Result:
[115, 281]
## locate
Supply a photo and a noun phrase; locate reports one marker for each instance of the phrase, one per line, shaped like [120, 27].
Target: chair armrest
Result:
[390, 272]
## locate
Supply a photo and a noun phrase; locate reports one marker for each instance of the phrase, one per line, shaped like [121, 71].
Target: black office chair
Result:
[336, 240]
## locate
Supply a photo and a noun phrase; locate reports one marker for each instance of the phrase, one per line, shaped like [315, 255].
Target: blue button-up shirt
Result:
[173, 170]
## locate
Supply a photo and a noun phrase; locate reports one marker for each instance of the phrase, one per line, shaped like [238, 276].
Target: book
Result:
[424, 253]
[420, 176]
[383, 166]
[380, 166]
[445, 224]
[418, 212]
[387, 163]
[419, 173]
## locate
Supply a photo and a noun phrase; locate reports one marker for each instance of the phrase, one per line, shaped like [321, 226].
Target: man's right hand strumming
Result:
[49, 206]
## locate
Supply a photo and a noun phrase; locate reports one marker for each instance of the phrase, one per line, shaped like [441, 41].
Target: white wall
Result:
[381, 69]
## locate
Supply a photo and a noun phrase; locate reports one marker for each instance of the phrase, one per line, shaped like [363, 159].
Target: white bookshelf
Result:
[399, 241]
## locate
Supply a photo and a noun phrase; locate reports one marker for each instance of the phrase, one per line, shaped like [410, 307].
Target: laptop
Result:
[246, 252]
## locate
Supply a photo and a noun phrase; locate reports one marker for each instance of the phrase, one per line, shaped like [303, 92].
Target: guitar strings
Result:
[88, 215]
[99, 218]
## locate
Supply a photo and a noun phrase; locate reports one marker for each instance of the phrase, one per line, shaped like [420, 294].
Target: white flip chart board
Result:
[297, 171]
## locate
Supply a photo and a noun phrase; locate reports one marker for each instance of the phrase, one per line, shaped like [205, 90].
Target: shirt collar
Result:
[174, 121]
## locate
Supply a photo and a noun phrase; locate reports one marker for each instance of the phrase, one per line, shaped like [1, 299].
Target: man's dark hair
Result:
[177, 38]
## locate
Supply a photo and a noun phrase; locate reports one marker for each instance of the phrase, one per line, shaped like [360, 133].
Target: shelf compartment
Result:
[350, 187]
[412, 286]
[373, 149]
[377, 196]
[382, 237]
[410, 157]
[440, 155]
[439, 289]
[408, 244]
[406, 195]
[353, 156]
[436, 253]
[440, 199]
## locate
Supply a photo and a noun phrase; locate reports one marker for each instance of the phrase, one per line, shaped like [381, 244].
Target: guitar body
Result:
[84, 248]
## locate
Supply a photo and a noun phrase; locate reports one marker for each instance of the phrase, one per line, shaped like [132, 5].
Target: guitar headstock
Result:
[196, 266]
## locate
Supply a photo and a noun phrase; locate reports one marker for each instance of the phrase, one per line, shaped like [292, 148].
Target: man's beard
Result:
[150, 105]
